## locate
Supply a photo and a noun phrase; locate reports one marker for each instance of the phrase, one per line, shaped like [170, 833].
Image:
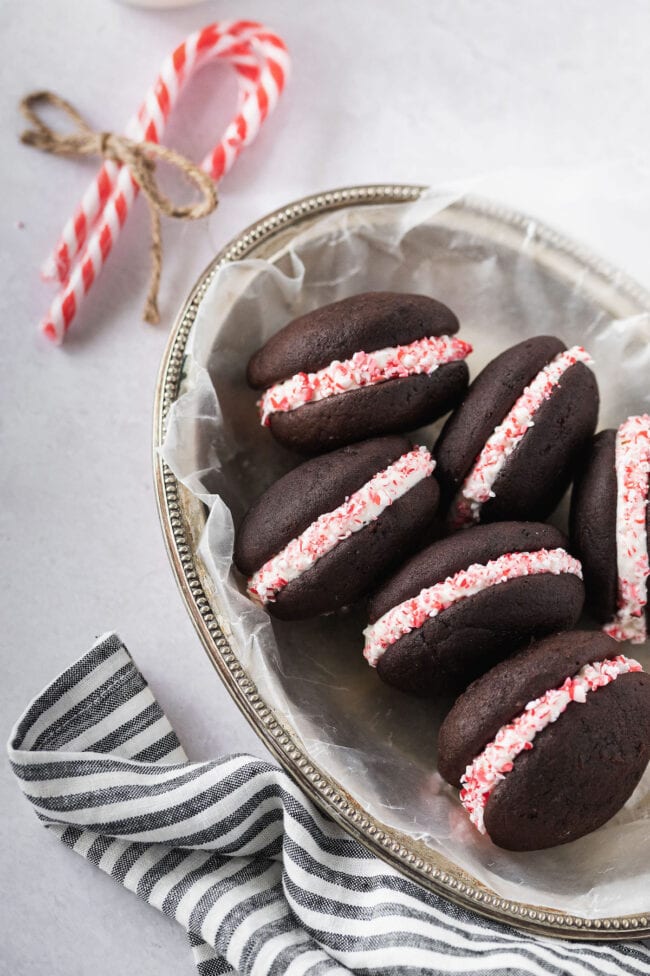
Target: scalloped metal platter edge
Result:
[182, 518]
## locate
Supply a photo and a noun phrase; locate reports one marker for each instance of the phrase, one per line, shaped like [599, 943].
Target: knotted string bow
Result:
[140, 158]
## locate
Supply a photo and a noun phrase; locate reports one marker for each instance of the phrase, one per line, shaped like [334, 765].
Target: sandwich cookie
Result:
[377, 363]
[510, 449]
[325, 534]
[610, 520]
[462, 604]
[550, 744]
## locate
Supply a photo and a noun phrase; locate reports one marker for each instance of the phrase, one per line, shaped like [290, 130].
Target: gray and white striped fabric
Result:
[263, 883]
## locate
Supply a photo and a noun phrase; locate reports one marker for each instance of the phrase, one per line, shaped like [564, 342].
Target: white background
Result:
[548, 98]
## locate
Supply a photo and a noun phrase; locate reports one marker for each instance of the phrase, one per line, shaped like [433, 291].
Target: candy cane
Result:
[261, 62]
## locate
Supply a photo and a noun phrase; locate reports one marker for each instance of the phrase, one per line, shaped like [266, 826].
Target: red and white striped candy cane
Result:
[261, 62]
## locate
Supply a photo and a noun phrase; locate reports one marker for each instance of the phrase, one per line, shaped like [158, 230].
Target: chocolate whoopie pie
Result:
[377, 363]
[510, 449]
[610, 522]
[550, 744]
[324, 534]
[462, 604]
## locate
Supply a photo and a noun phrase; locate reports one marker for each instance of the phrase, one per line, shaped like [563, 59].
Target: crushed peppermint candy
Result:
[479, 483]
[363, 369]
[632, 462]
[432, 600]
[497, 759]
[358, 510]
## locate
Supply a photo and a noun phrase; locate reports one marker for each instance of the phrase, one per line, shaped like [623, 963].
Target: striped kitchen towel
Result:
[263, 883]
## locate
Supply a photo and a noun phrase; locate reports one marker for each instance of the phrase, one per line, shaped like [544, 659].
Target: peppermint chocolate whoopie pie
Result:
[550, 744]
[469, 600]
[324, 534]
[377, 363]
[610, 521]
[510, 449]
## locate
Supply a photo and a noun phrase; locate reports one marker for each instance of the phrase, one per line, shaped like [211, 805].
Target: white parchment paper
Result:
[379, 743]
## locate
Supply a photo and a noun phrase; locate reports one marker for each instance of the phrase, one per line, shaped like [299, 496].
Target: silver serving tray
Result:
[183, 517]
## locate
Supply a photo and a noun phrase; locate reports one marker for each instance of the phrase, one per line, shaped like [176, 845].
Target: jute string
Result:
[139, 157]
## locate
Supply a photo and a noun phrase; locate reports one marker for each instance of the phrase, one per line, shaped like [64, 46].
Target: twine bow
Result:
[139, 157]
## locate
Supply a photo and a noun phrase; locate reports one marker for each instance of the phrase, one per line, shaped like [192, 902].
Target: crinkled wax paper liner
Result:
[378, 743]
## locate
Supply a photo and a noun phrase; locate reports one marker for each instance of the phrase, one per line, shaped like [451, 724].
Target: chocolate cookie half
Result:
[550, 744]
[377, 363]
[610, 522]
[324, 534]
[468, 601]
[510, 449]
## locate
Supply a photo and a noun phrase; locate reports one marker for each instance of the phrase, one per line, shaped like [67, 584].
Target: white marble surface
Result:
[550, 99]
